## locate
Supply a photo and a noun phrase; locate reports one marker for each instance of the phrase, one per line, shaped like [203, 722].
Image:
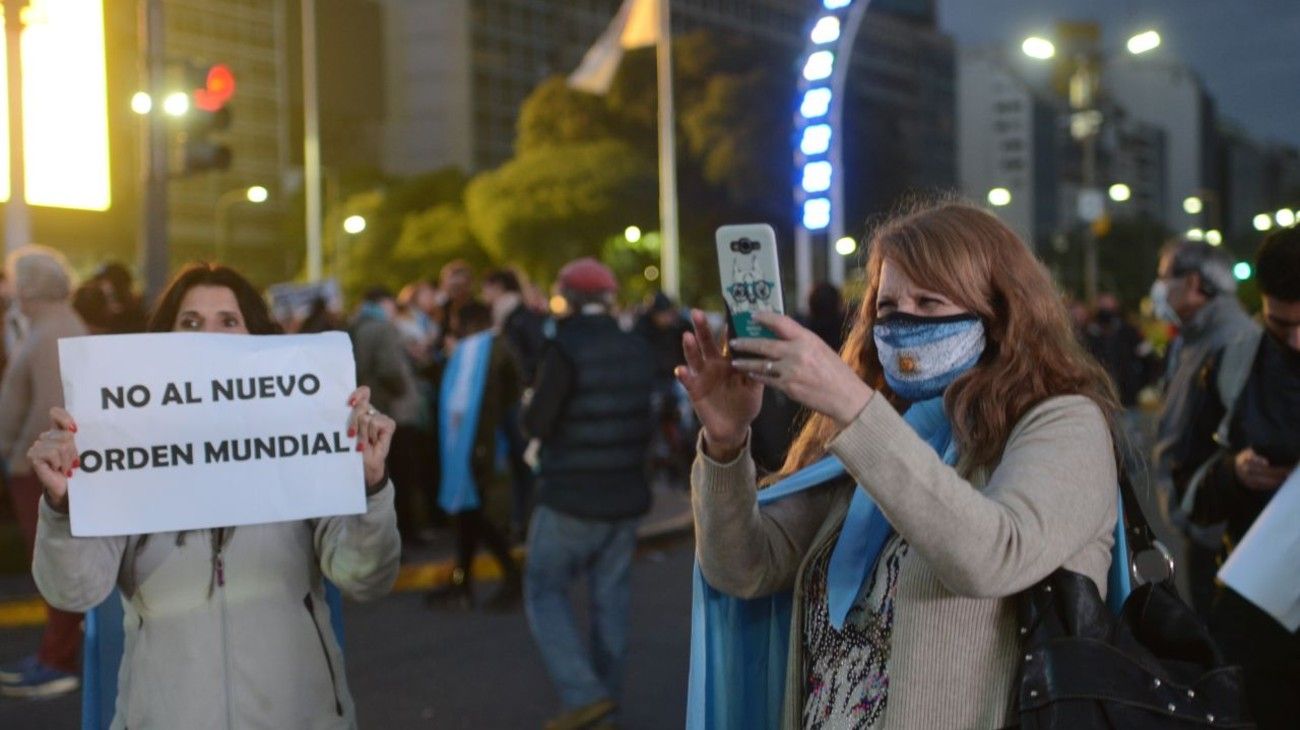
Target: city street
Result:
[410, 667]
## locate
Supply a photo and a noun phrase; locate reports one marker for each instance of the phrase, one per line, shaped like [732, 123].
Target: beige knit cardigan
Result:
[976, 541]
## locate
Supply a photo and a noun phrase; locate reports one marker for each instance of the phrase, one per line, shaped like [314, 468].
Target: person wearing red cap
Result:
[590, 411]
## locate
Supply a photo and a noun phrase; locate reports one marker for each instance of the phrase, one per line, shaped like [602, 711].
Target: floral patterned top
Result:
[847, 682]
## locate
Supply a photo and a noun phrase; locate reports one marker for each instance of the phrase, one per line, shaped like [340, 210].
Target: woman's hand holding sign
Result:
[54, 456]
[374, 433]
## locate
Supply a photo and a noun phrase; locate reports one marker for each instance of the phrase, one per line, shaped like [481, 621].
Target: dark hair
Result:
[91, 304]
[824, 301]
[1277, 265]
[257, 318]
[504, 278]
[1212, 265]
[474, 317]
[377, 294]
[118, 277]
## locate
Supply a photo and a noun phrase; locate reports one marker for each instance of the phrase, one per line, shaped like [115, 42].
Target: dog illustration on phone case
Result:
[749, 291]
[751, 276]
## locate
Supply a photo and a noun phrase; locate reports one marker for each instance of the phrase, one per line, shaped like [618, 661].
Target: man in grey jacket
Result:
[1196, 290]
[384, 366]
[42, 287]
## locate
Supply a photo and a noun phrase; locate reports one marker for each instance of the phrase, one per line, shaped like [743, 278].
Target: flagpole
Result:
[311, 140]
[669, 262]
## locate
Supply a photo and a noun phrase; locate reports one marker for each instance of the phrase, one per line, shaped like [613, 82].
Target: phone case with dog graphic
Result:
[751, 276]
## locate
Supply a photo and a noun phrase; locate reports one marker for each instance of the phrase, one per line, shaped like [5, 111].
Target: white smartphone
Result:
[751, 276]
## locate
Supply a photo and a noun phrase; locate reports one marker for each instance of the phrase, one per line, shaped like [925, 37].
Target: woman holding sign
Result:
[225, 627]
[963, 409]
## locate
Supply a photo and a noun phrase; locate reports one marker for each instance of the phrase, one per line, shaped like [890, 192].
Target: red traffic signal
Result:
[217, 89]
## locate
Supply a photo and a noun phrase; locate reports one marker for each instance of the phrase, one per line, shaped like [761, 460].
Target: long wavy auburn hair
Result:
[1031, 353]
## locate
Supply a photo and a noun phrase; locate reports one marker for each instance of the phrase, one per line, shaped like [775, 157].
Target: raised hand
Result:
[725, 400]
[373, 432]
[803, 367]
[54, 456]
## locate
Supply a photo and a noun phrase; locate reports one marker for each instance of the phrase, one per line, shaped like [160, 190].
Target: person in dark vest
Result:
[590, 411]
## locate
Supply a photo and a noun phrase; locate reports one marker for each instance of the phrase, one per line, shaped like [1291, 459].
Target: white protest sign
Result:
[185, 431]
[1263, 566]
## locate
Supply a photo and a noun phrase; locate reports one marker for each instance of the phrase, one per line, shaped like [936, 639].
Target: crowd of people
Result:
[985, 417]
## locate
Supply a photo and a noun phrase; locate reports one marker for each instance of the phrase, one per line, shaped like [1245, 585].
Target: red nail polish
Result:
[73, 428]
[69, 473]
[361, 447]
[76, 463]
[352, 432]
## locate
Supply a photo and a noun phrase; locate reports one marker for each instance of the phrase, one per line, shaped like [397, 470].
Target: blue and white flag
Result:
[459, 407]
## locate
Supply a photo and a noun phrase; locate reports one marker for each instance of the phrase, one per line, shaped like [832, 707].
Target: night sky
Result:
[1246, 51]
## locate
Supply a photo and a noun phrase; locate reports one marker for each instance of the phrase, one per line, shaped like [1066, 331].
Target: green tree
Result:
[559, 202]
[733, 161]
[369, 258]
[432, 238]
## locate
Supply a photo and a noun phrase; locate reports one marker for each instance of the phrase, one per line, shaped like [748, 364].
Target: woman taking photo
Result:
[225, 628]
[962, 406]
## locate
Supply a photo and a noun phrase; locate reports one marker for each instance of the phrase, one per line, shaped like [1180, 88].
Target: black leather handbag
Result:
[1152, 667]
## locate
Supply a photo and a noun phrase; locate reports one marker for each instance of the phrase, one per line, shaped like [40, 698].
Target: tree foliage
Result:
[374, 257]
[559, 202]
[586, 167]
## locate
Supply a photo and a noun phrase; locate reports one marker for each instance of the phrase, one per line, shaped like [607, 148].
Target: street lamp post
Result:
[1085, 124]
[17, 217]
[255, 194]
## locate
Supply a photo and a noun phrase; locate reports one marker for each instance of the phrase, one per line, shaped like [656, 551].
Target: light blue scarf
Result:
[459, 405]
[740, 647]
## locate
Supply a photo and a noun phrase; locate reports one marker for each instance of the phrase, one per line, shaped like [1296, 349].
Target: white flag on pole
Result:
[636, 25]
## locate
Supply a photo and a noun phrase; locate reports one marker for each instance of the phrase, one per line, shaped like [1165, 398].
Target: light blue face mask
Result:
[922, 356]
[1160, 306]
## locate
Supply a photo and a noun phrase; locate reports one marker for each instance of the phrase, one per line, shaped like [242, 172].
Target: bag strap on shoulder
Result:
[1234, 366]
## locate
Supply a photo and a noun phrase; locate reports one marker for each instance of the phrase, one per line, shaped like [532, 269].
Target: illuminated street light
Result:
[176, 104]
[1242, 271]
[816, 213]
[632, 234]
[1284, 217]
[354, 224]
[999, 197]
[1143, 42]
[816, 139]
[1263, 222]
[141, 102]
[846, 246]
[816, 103]
[1195, 234]
[827, 30]
[1214, 237]
[1119, 192]
[1038, 47]
[817, 176]
[257, 194]
[651, 273]
[1193, 205]
[819, 66]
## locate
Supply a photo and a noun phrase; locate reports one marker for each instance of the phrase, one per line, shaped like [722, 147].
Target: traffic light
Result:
[212, 87]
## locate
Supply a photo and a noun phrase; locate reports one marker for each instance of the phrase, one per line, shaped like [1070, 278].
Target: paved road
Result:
[410, 667]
